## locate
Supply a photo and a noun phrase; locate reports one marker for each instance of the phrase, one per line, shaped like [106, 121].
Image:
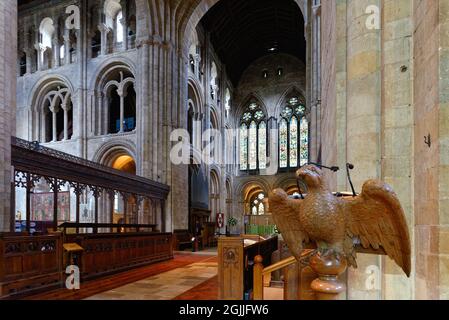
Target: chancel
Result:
[170, 150]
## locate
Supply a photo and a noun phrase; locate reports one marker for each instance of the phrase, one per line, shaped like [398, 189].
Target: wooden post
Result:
[78, 195]
[55, 204]
[292, 281]
[258, 281]
[12, 222]
[231, 268]
[28, 202]
[111, 208]
[327, 286]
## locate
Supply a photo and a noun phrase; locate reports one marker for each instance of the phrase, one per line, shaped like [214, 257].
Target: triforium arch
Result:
[51, 110]
[115, 97]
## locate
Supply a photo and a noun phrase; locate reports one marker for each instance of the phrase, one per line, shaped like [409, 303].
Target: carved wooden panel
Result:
[109, 253]
[29, 263]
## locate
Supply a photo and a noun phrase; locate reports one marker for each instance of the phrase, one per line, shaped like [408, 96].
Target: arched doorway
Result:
[125, 209]
[125, 163]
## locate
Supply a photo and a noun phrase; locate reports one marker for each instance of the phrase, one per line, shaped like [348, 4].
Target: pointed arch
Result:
[292, 91]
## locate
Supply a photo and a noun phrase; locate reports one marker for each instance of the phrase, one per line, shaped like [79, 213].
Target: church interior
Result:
[141, 141]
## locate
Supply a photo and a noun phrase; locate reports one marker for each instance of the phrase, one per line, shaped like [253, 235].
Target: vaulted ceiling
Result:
[245, 30]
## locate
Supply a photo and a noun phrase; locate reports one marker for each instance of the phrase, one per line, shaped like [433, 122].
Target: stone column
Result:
[104, 38]
[363, 119]
[40, 56]
[121, 94]
[29, 60]
[67, 47]
[56, 52]
[54, 110]
[8, 57]
[66, 109]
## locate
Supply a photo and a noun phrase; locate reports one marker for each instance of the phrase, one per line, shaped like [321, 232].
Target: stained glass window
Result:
[283, 144]
[253, 138]
[243, 147]
[293, 142]
[293, 135]
[254, 211]
[261, 209]
[252, 159]
[257, 204]
[262, 145]
[304, 149]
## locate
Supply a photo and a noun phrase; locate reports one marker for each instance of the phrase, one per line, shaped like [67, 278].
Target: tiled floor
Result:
[164, 286]
[189, 276]
[109, 283]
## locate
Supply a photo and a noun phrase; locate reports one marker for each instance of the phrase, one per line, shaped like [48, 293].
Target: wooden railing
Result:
[261, 274]
[322, 275]
[110, 253]
[235, 264]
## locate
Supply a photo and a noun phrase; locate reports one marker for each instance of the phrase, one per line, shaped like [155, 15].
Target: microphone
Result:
[334, 168]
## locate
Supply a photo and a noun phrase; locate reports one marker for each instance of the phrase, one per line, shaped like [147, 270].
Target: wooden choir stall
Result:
[67, 210]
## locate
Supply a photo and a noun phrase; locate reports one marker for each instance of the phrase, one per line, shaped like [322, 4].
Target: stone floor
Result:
[164, 286]
[189, 276]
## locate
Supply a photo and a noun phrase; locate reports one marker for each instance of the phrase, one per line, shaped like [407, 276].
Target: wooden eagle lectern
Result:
[374, 219]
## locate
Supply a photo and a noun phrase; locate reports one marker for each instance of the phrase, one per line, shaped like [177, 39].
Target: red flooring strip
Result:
[208, 290]
[100, 285]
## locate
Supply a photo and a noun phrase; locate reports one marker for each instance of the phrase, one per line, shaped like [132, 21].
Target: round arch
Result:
[244, 187]
[101, 73]
[195, 93]
[45, 83]
[110, 151]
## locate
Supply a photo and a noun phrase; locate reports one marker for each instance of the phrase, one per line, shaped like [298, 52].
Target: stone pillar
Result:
[66, 109]
[54, 110]
[315, 72]
[104, 38]
[29, 61]
[8, 58]
[40, 56]
[56, 52]
[67, 47]
[397, 126]
[121, 94]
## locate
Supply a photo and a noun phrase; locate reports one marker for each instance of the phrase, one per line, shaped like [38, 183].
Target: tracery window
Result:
[253, 138]
[57, 124]
[258, 205]
[293, 135]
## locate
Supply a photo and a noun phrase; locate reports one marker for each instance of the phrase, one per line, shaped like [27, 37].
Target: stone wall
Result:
[8, 58]
[390, 93]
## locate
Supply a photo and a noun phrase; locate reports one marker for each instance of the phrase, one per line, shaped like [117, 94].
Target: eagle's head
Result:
[310, 175]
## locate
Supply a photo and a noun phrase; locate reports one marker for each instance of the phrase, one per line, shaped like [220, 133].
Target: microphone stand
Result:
[350, 167]
[334, 169]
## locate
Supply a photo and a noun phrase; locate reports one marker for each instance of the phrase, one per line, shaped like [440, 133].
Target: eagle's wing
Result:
[377, 218]
[285, 212]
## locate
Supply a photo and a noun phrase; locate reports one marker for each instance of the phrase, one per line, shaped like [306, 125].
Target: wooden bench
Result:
[182, 239]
